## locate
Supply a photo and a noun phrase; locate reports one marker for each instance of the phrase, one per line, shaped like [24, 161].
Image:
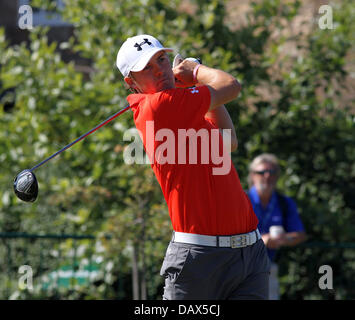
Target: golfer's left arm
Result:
[221, 118]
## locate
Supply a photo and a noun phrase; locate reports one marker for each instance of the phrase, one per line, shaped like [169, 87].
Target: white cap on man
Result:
[136, 52]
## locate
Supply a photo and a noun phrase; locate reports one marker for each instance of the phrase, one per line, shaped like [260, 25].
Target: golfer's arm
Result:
[223, 86]
[221, 118]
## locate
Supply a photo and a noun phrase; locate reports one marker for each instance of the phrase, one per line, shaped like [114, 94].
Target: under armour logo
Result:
[139, 45]
[194, 90]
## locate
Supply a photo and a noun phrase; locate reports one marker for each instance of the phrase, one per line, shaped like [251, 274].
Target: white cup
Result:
[276, 231]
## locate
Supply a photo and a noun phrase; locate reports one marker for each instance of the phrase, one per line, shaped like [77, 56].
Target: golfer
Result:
[216, 251]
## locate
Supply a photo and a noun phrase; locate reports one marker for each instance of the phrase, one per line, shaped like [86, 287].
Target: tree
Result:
[89, 189]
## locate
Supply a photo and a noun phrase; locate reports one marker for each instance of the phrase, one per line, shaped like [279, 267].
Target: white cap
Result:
[136, 52]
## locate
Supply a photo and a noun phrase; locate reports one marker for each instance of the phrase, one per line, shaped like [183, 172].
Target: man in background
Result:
[279, 221]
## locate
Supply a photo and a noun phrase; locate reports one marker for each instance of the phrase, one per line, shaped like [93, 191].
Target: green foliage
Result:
[90, 189]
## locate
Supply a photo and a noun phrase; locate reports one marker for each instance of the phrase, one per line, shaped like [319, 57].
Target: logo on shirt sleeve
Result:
[194, 90]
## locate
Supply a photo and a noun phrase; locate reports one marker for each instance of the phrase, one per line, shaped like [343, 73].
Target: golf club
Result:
[25, 183]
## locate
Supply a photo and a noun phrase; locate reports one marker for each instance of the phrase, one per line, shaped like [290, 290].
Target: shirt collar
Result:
[255, 196]
[135, 98]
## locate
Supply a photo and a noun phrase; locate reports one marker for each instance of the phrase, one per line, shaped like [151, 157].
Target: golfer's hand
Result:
[183, 73]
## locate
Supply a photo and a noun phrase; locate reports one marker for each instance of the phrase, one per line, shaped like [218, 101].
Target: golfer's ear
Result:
[130, 84]
[128, 81]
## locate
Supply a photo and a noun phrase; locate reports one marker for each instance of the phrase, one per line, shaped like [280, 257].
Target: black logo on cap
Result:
[139, 45]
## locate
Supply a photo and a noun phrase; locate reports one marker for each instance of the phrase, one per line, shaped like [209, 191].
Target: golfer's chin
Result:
[165, 85]
[159, 86]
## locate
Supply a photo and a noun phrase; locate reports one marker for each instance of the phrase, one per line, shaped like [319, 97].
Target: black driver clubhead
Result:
[26, 186]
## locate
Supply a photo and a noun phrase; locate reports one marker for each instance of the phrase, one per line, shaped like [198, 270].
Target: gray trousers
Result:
[194, 272]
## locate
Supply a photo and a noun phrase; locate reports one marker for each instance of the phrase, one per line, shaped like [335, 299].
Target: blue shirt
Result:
[272, 215]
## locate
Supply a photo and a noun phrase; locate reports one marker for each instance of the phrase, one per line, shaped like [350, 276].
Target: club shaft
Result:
[82, 137]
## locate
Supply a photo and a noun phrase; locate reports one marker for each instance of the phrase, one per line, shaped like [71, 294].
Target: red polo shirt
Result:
[186, 152]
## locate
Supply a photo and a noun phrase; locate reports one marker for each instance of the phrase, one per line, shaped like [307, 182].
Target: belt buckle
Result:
[239, 241]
